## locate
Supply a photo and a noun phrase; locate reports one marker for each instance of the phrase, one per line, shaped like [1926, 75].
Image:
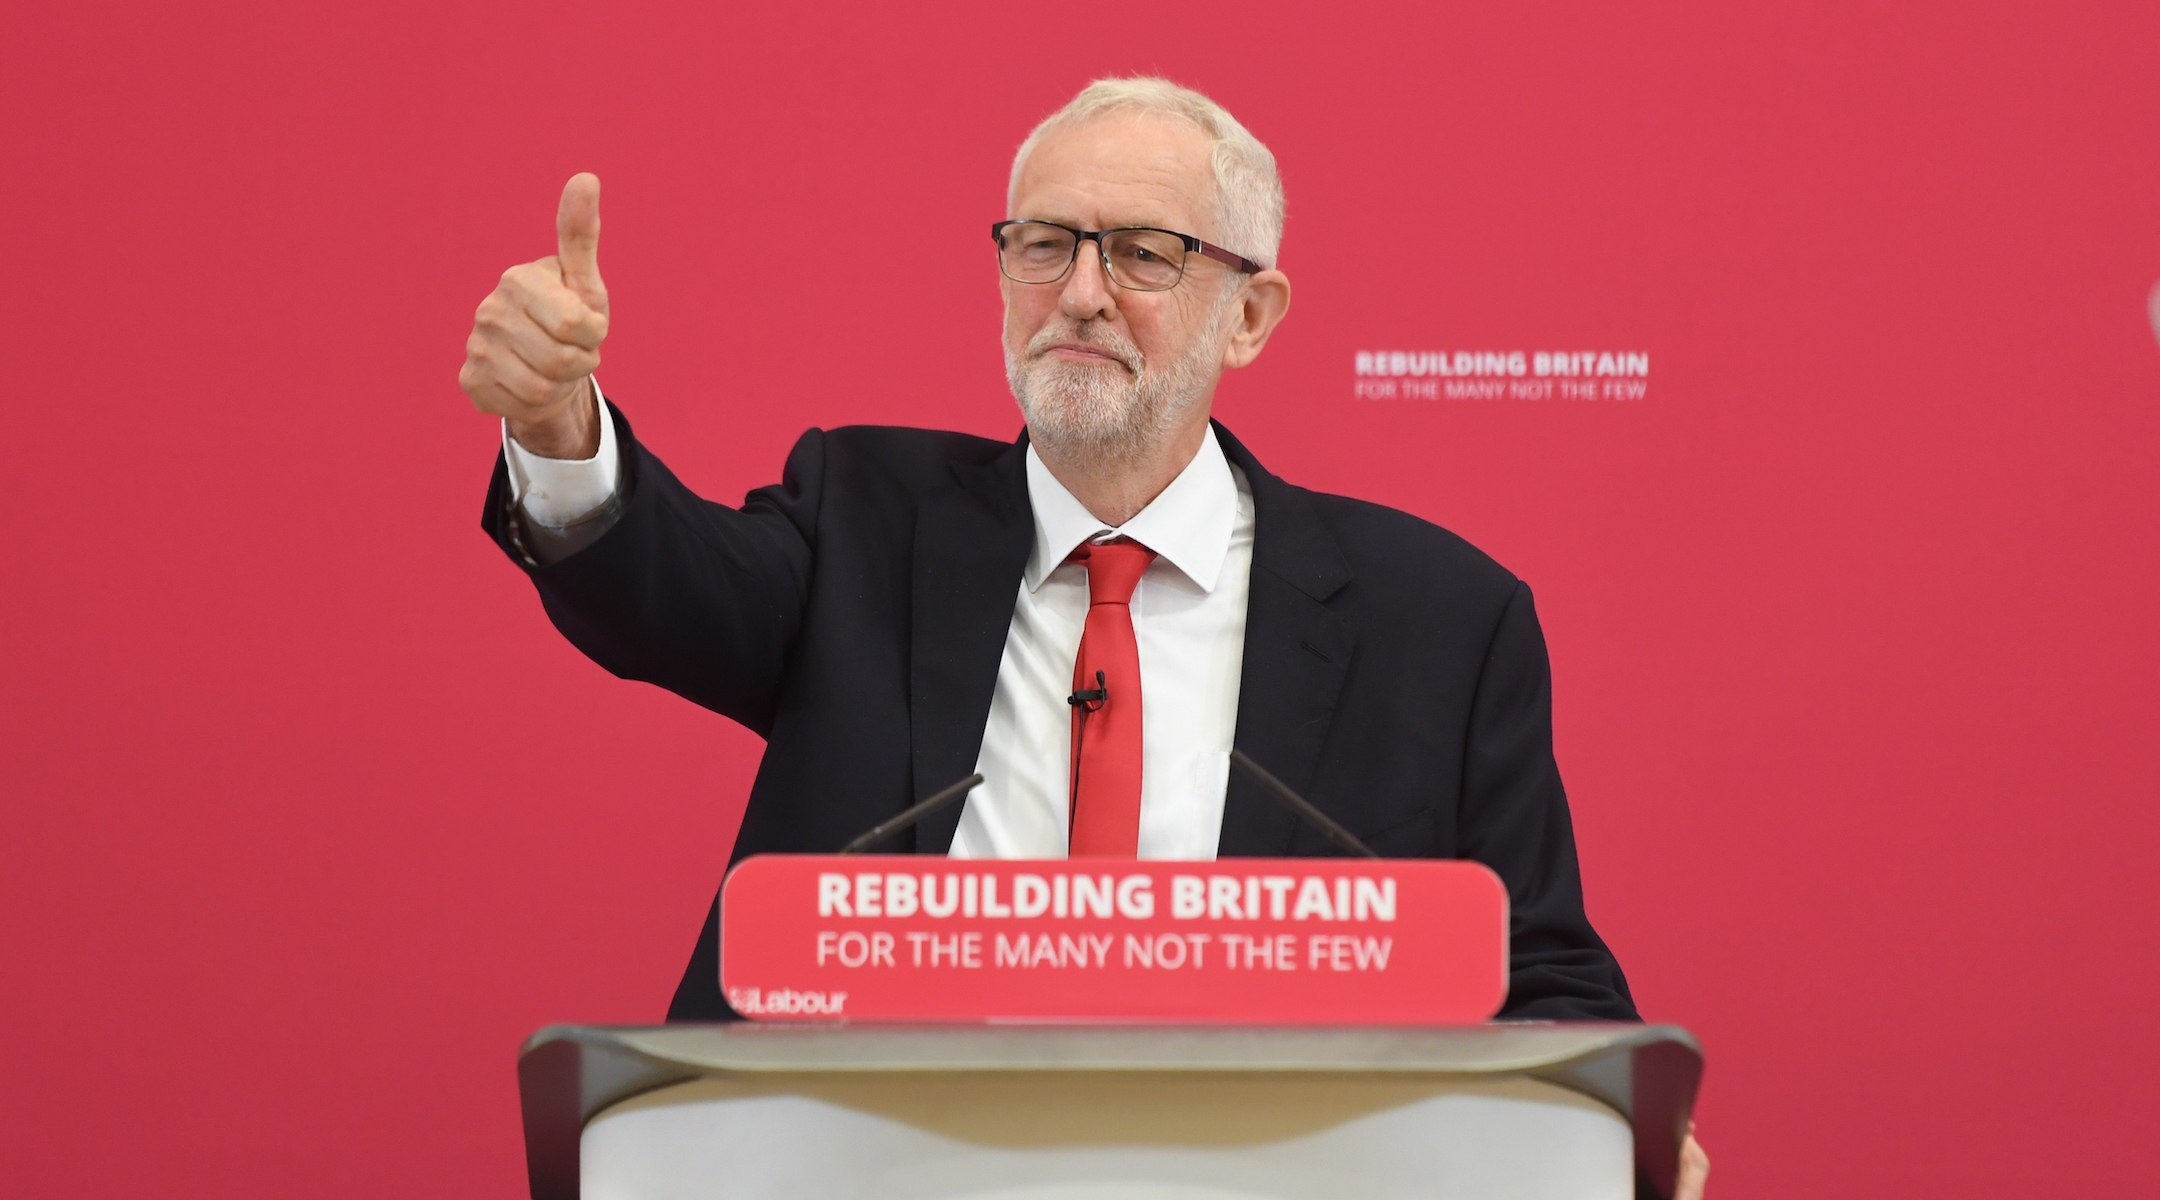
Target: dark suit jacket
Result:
[854, 616]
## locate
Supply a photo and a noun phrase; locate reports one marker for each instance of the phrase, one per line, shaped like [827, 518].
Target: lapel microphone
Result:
[1085, 701]
[1093, 698]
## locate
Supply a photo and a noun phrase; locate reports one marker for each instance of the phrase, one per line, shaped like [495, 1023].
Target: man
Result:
[908, 606]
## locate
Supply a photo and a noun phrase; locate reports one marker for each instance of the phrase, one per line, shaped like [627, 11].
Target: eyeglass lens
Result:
[1144, 260]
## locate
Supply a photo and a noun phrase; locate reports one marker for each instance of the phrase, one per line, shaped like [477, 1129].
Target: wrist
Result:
[571, 432]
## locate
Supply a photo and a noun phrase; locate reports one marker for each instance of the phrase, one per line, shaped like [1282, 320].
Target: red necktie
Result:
[1106, 728]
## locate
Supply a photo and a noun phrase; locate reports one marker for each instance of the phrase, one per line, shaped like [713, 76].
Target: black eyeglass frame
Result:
[1193, 245]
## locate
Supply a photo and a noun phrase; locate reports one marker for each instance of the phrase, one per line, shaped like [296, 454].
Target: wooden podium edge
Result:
[568, 1074]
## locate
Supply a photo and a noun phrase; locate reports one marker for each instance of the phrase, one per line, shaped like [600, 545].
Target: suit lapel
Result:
[971, 546]
[1297, 655]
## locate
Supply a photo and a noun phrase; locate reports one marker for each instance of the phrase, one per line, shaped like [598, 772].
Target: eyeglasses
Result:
[1139, 259]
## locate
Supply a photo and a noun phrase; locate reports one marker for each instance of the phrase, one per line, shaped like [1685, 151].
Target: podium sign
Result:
[1241, 941]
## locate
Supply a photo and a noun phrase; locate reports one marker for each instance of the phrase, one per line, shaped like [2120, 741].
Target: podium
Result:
[1019, 1112]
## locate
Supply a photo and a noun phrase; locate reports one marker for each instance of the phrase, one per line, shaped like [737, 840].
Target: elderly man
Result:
[1091, 617]
[908, 606]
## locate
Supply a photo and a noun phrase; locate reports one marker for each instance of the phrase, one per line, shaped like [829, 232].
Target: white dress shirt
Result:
[1188, 616]
[557, 493]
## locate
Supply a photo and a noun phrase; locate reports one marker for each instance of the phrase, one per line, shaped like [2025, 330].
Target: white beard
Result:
[1095, 412]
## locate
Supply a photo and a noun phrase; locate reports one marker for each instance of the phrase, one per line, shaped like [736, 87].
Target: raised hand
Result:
[536, 338]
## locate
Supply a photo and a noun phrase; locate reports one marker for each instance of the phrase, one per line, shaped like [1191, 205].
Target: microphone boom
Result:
[887, 828]
[1299, 805]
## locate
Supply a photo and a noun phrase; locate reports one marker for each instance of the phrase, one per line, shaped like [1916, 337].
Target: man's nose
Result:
[1088, 291]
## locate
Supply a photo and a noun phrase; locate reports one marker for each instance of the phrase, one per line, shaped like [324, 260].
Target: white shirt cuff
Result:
[559, 492]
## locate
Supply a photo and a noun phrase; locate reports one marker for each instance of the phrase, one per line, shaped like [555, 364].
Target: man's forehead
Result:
[1123, 169]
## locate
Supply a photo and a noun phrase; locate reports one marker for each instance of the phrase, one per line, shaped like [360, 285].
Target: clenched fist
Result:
[536, 338]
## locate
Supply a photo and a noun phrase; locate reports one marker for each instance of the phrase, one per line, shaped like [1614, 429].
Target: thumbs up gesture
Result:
[536, 338]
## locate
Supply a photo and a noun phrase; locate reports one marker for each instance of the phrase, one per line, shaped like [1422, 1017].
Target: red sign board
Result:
[1280, 941]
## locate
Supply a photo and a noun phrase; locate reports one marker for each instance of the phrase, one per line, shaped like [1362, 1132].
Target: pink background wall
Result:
[309, 816]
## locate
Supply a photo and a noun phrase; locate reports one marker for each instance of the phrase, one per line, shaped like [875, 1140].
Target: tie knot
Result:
[1114, 569]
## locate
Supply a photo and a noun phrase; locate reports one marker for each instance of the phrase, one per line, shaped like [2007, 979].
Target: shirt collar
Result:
[1189, 524]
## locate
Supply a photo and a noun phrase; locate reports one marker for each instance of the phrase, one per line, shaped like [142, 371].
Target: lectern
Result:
[1006, 1112]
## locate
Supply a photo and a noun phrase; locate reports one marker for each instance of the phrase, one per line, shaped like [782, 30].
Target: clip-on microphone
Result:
[1093, 698]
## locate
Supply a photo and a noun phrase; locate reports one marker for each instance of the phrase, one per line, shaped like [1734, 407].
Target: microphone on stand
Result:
[1299, 805]
[886, 829]
[1274, 787]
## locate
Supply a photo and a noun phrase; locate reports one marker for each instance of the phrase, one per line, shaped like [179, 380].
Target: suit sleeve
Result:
[1514, 819]
[696, 597]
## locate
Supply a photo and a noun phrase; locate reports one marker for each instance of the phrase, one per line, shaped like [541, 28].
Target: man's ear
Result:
[1260, 310]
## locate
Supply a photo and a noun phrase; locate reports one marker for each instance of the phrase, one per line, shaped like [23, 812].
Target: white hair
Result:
[1248, 189]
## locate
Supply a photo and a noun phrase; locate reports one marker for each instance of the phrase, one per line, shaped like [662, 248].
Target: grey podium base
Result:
[569, 1074]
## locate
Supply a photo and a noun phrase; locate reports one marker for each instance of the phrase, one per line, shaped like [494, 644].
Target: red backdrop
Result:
[310, 816]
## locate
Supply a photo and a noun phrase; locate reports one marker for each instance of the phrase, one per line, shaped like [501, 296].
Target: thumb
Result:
[577, 239]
